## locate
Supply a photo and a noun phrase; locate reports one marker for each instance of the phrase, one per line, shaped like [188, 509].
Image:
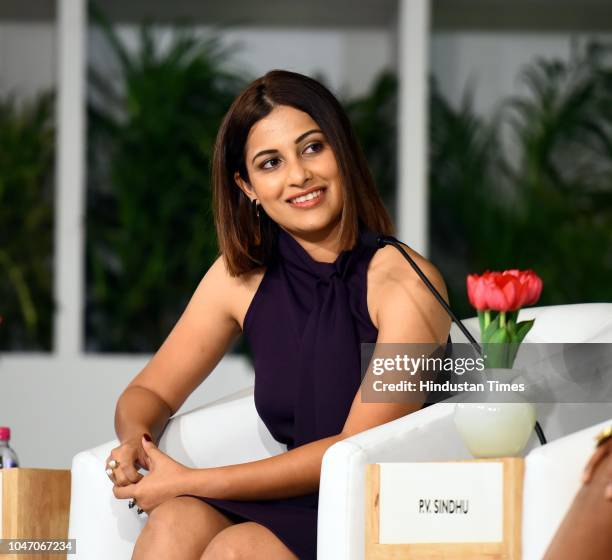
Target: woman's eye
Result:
[264, 165]
[318, 145]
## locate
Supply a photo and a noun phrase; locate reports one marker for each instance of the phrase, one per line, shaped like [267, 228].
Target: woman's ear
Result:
[244, 186]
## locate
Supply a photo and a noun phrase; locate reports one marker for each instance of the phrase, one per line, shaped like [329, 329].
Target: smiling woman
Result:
[292, 198]
[298, 141]
[305, 180]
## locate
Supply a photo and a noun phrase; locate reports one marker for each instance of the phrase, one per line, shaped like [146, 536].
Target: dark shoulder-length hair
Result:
[247, 242]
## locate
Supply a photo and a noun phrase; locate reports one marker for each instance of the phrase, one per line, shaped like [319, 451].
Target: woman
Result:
[292, 192]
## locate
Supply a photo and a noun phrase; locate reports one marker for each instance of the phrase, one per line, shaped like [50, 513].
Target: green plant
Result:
[471, 228]
[152, 129]
[150, 230]
[563, 175]
[532, 188]
[374, 118]
[26, 223]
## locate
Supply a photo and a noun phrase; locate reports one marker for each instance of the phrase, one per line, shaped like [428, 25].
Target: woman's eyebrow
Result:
[302, 136]
[296, 141]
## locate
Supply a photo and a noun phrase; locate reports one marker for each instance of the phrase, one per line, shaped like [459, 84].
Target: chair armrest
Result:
[426, 435]
[227, 431]
[552, 479]
[430, 435]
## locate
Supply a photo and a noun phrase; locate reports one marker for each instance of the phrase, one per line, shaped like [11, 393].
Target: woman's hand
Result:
[166, 479]
[601, 453]
[130, 457]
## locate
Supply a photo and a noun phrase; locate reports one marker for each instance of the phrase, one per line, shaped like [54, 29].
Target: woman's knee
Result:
[185, 512]
[168, 515]
[247, 541]
[181, 526]
[223, 549]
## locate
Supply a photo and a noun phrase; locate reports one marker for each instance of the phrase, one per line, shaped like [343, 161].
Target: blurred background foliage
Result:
[374, 118]
[529, 187]
[151, 129]
[532, 186]
[26, 222]
[150, 229]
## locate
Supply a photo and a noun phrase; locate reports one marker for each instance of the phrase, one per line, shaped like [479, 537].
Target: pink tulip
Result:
[504, 291]
[534, 285]
[477, 291]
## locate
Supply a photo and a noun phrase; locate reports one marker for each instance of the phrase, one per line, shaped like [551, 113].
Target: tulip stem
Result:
[502, 319]
[487, 318]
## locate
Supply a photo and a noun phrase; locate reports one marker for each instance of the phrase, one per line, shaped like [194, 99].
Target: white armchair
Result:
[229, 431]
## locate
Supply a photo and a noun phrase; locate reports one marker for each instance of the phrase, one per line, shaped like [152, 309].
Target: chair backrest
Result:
[580, 322]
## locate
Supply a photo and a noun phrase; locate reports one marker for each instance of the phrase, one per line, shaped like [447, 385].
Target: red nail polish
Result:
[147, 437]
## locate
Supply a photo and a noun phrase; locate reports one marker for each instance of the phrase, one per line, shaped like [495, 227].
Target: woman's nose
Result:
[298, 173]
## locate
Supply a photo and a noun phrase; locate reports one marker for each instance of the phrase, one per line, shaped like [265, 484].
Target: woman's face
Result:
[293, 173]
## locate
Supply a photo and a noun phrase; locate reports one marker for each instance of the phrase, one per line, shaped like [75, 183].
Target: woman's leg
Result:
[248, 540]
[180, 528]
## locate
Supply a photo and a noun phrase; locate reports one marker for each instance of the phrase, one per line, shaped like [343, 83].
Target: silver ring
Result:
[139, 511]
[113, 464]
[109, 472]
[131, 503]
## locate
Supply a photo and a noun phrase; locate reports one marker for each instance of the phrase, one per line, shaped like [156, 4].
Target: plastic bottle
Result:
[8, 457]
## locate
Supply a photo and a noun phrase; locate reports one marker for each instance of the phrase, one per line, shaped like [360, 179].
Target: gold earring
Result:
[255, 207]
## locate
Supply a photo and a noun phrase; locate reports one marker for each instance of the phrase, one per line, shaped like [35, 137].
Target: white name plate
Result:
[455, 502]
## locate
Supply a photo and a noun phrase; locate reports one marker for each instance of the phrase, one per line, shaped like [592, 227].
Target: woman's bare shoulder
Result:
[235, 291]
[391, 275]
[389, 265]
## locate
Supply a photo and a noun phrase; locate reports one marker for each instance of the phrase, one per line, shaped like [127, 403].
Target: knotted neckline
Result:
[296, 256]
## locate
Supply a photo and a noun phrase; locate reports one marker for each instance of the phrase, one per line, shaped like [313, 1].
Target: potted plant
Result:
[489, 428]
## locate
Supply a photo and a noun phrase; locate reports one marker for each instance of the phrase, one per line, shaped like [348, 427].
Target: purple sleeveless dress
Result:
[304, 327]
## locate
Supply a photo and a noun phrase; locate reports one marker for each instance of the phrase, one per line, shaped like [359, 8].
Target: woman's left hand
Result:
[166, 479]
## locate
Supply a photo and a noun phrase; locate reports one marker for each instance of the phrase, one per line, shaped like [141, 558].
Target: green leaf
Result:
[512, 316]
[496, 349]
[511, 326]
[492, 328]
[522, 329]
[481, 320]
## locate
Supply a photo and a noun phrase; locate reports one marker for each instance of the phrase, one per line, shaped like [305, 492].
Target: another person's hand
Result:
[129, 457]
[597, 460]
[166, 479]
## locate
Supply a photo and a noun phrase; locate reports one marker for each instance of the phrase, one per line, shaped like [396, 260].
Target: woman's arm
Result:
[406, 311]
[140, 411]
[195, 345]
[586, 529]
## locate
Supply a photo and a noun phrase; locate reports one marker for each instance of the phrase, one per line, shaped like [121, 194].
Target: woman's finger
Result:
[118, 478]
[125, 492]
[143, 461]
[111, 474]
[126, 474]
[131, 475]
[110, 470]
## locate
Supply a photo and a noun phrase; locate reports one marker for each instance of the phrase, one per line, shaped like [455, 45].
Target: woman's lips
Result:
[319, 194]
